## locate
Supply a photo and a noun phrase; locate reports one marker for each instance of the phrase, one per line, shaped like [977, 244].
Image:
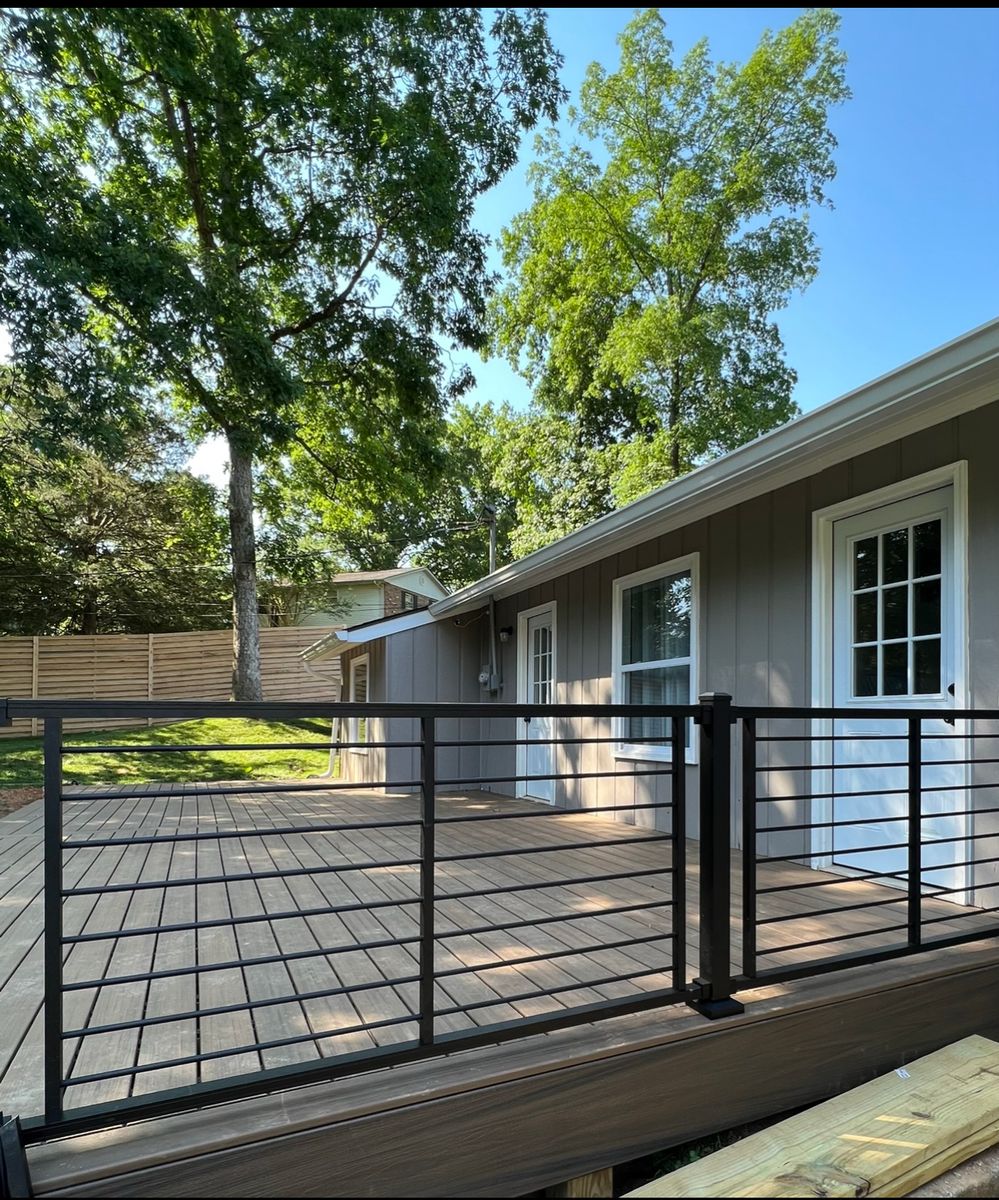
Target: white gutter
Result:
[957, 377]
[339, 640]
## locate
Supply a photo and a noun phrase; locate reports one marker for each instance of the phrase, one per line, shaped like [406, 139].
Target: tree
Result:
[644, 276]
[264, 214]
[99, 543]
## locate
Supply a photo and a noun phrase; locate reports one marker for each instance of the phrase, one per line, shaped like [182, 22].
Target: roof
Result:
[367, 576]
[337, 641]
[957, 377]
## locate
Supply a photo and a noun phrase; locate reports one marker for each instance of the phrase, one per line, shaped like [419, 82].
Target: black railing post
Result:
[679, 850]
[53, 943]
[749, 765]
[714, 998]
[915, 839]
[428, 876]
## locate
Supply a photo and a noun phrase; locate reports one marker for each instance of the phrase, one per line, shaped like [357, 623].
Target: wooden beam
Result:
[596, 1183]
[881, 1139]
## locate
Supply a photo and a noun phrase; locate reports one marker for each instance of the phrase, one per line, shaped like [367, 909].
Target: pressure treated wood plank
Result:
[881, 1139]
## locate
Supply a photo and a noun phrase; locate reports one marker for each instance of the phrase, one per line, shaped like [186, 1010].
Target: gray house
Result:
[847, 559]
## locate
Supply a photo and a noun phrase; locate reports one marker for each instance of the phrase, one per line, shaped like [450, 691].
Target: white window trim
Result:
[676, 566]
[352, 723]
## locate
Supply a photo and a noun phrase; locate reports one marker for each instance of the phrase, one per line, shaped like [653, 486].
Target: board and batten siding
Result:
[755, 609]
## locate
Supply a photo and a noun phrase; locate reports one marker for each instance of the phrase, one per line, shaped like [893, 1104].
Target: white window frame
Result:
[353, 724]
[676, 566]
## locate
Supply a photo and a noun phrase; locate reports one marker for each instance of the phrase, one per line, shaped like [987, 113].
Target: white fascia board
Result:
[955, 378]
[340, 640]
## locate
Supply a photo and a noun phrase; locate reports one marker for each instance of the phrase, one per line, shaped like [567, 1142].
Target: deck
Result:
[476, 975]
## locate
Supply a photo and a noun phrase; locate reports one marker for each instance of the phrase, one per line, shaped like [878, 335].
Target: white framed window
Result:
[655, 653]
[358, 694]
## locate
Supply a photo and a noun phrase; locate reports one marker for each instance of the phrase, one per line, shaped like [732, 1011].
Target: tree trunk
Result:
[245, 614]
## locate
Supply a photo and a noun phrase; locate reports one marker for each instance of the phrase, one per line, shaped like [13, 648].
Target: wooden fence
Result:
[156, 666]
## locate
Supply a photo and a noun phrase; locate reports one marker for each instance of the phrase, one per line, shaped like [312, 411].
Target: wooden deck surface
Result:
[476, 966]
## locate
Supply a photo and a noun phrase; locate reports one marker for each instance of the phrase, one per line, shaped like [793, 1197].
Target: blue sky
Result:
[910, 253]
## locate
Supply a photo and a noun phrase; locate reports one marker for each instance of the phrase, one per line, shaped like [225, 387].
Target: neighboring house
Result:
[352, 597]
[850, 557]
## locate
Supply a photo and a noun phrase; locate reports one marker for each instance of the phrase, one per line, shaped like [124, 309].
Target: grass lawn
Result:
[21, 758]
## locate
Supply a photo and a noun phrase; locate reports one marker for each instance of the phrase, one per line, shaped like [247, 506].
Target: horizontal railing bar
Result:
[831, 737]
[196, 1014]
[825, 853]
[159, 748]
[476, 782]
[532, 887]
[204, 791]
[579, 985]
[965, 912]
[901, 898]
[243, 877]
[942, 891]
[860, 877]
[238, 963]
[960, 812]
[570, 952]
[146, 839]
[635, 840]
[527, 922]
[251, 1048]
[650, 740]
[843, 962]
[829, 824]
[872, 713]
[968, 862]
[187, 709]
[842, 766]
[552, 811]
[839, 937]
[878, 791]
[225, 922]
[876, 737]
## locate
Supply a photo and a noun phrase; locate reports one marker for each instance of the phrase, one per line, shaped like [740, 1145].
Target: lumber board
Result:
[881, 1139]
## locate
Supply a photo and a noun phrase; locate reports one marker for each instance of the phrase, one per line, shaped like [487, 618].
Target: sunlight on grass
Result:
[21, 758]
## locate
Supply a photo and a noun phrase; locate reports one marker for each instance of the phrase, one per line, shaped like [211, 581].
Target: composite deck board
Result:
[331, 950]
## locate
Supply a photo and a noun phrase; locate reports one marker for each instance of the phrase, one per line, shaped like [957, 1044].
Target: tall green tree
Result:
[265, 213]
[644, 277]
[118, 540]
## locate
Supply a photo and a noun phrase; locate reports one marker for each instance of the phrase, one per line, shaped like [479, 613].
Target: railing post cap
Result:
[715, 697]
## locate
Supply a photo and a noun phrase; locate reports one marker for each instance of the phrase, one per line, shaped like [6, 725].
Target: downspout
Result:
[495, 679]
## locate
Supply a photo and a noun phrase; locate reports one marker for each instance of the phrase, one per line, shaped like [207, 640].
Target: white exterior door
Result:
[895, 645]
[537, 686]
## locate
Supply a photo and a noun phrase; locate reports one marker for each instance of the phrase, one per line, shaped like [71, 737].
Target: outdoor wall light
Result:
[506, 633]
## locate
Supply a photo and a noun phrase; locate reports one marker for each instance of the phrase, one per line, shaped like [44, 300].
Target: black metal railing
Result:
[480, 872]
[867, 834]
[439, 923]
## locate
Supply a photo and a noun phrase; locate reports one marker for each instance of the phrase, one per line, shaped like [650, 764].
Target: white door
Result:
[895, 631]
[537, 686]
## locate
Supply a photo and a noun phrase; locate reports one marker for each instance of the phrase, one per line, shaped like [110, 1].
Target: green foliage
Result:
[104, 542]
[643, 278]
[265, 214]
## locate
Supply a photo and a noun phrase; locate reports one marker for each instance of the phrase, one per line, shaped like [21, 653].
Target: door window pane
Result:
[926, 549]
[865, 563]
[927, 607]
[926, 663]
[895, 612]
[895, 554]
[865, 617]
[865, 671]
[895, 669]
